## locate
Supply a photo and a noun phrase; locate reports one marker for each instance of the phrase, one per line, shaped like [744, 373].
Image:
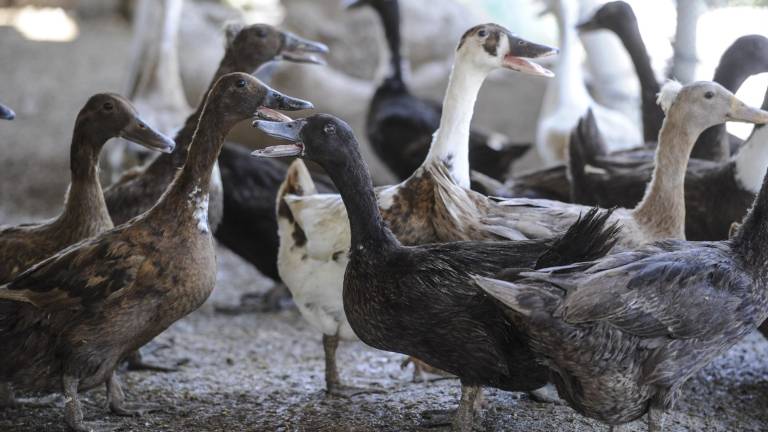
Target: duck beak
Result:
[742, 112]
[6, 113]
[289, 131]
[278, 101]
[354, 4]
[520, 53]
[588, 25]
[300, 50]
[139, 132]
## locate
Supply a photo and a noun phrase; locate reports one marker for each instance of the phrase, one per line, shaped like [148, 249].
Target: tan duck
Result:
[435, 204]
[103, 117]
[66, 323]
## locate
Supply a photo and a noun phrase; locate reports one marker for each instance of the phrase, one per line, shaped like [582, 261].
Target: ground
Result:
[264, 372]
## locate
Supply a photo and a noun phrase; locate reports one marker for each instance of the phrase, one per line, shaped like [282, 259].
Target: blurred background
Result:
[55, 53]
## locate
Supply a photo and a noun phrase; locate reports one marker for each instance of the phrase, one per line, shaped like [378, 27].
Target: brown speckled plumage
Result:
[67, 321]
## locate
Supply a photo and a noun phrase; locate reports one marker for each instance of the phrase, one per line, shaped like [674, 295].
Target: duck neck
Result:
[653, 116]
[450, 144]
[752, 159]
[85, 195]
[389, 14]
[367, 228]
[662, 209]
[191, 186]
[751, 239]
[567, 88]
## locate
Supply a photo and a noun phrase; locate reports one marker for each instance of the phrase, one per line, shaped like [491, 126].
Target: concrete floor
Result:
[263, 372]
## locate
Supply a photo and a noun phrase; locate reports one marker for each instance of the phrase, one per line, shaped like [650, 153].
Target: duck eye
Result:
[709, 95]
[240, 83]
[329, 129]
[260, 32]
[108, 106]
[482, 33]
[521, 42]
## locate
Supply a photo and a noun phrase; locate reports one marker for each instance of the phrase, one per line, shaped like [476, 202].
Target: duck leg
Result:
[136, 362]
[116, 400]
[618, 428]
[655, 419]
[333, 385]
[460, 419]
[73, 411]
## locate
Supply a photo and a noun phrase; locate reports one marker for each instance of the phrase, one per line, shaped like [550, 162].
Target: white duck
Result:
[567, 99]
[435, 204]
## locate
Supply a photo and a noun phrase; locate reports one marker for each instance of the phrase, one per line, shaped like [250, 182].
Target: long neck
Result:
[662, 209]
[390, 19]
[653, 116]
[450, 144]
[85, 197]
[192, 184]
[751, 239]
[367, 227]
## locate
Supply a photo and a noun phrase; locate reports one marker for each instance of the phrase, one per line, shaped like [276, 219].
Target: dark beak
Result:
[137, 131]
[300, 50]
[520, 53]
[353, 4]
[289, 131]
[6, 113]
[278, 101]
[588, 25]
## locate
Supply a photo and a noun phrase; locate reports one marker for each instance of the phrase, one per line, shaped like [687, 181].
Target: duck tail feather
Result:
[584, 147]
[297, 181]
[589, 238]
[506, 293]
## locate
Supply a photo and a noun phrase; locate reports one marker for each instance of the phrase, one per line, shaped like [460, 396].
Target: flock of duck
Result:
[617, 308]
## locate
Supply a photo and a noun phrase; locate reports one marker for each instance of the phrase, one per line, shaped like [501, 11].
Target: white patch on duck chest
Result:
[199, 202]
[752, 160]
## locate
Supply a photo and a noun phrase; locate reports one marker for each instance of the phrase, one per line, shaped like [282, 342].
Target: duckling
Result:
[6, 113]
[716, 193]
[434, 204]
[421, 300]
[621, 335]
[103, 117]
[68, 321]
[400, 126]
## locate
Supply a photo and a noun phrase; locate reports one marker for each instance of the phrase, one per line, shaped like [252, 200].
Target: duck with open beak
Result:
[520, 52]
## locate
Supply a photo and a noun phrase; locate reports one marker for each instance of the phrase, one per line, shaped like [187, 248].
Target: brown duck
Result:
[67, 322]
[85, 215]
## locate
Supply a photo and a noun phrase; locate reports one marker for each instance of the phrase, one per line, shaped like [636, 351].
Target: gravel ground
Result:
[263, 372]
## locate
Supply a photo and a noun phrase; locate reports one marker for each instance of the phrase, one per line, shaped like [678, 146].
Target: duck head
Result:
[239, 96]
[746, 56]
[491, 46]
[703, 104]
[322, 138]
[253, 45]
[109, 115]
[6, 113]
[612, 16]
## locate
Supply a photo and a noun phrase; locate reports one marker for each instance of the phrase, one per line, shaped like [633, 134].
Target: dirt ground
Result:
[264, 372]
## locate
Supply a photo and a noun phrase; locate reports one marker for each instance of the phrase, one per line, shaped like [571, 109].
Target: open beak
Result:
[300, 50]
[6, 113]
[139, 132]
[289, 131]
[741, 112]
[353, 4]
[278, 101]
[520, 53]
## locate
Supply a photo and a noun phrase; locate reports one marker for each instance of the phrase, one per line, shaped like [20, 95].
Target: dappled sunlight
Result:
[40, 24]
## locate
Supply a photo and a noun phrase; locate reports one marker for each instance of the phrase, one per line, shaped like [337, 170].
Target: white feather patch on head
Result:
[668, 94]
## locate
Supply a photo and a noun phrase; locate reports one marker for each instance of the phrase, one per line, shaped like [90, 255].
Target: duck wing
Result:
[81, 276]
[687, 293]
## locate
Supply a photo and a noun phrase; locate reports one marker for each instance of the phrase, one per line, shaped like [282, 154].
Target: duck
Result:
[399, 125]
[716, 193]
[154, 82]
[103, 117]
[434, 204]
[566, 98]
[67, 322]
[746, 56]
[6, 113]
[621, 335]
[420, 300]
